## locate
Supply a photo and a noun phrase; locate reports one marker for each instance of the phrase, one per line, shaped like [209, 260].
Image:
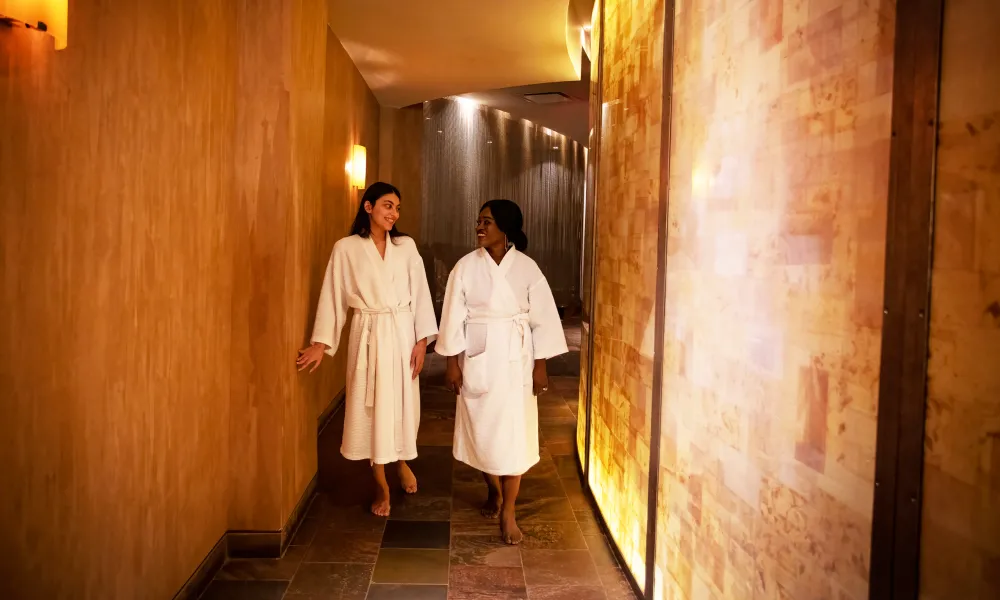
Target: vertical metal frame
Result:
[661, 296]
[899, 458]
[596, 149]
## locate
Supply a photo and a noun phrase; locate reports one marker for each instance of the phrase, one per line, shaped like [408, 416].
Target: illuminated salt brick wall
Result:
[778, 186]
[626, 232]
[960, 545]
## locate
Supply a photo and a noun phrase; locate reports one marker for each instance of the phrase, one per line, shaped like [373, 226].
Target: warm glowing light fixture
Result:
[357, 167]
[49, 16]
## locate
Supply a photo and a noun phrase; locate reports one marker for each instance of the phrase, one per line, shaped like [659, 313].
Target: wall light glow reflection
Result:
[49, 16]
[702, 181]
[619, 495]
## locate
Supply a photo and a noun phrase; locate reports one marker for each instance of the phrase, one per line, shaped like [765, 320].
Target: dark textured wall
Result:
[473, 154]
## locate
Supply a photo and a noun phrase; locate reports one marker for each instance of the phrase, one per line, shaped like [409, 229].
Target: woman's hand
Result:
[453, 375]
[417, 357]
[539, 378]
[313, 355]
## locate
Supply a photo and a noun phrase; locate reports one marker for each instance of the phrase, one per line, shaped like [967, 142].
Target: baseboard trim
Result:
[253, 544]
[270, 543]
[330, 411]
[298, 514]
[258, 544]
[205, 572]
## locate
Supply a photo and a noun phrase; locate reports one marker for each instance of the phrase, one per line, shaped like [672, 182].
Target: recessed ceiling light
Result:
[548, 98]
[439, 131]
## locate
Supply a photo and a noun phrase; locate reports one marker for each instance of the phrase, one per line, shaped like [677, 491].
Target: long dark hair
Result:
[362, 225]
[509, 220]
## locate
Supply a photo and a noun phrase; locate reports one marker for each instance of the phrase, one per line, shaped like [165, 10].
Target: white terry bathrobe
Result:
[390, 306]
[501, 318]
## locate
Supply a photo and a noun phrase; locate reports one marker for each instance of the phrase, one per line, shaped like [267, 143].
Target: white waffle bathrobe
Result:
[500, 318]
[390, 308]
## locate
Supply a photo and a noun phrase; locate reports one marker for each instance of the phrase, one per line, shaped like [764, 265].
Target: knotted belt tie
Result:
[368, 359]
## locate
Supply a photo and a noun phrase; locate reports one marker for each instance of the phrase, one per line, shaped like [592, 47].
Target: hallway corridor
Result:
[436, 545]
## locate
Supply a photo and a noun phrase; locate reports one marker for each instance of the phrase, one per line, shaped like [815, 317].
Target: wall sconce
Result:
[49, 16]
[357, 167]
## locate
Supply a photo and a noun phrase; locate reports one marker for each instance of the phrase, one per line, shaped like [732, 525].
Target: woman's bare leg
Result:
[407, 478]
[491, 508]
[380, 506]
[508, 525]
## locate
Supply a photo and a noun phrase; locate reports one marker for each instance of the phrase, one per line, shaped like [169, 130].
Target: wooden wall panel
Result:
[961, 497]
[172, 185]
[299, 118]
[308, 99]
[116, 162]
[401, 132]
[261, 224]
[351, 117]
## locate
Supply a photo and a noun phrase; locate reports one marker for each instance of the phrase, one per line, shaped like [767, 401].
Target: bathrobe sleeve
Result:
[424, 321]
[547, 334]
[332, 309]
[451, 338]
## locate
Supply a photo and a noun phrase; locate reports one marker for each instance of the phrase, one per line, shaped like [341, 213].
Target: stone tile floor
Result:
[435, 545]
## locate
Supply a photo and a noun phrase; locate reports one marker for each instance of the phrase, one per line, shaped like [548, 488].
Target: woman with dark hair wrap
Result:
[499, 324]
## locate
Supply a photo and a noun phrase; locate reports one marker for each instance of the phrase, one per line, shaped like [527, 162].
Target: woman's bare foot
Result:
[491, 508]
[509, 530]
[380, 507]
[407, 478]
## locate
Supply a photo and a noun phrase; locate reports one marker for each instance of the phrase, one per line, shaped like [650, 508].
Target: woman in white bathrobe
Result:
[376, 279]
[499, 324]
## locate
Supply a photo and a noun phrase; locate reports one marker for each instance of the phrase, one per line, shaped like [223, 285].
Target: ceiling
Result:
[571, 117]
[409, 52]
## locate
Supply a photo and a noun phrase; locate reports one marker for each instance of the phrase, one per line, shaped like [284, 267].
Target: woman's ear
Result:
[368, 207]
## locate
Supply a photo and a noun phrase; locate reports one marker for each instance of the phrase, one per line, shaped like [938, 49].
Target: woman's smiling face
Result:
[384, 213]
[487, 232]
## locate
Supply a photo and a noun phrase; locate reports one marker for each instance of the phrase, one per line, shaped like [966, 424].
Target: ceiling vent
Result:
[548, 98]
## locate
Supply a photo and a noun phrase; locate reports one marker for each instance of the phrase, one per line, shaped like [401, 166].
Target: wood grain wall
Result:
[279, 193]
[351, 117]
[401, 132]
[261, 225]
[308, 100]
[172, 184]
[116, 169]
